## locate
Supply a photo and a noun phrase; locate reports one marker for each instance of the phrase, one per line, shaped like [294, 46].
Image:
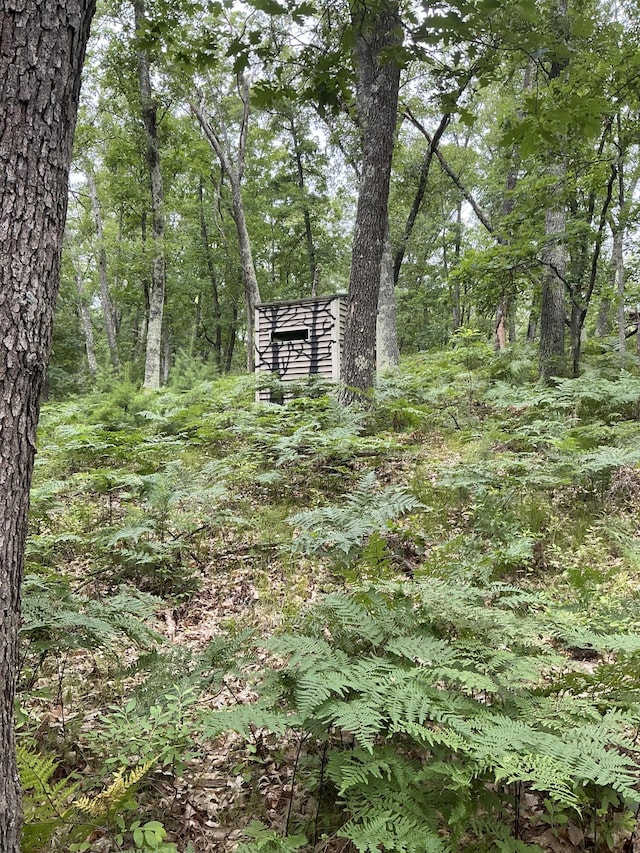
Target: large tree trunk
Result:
[377, 32]
[149, 107]
[43, 47]
[105, 296]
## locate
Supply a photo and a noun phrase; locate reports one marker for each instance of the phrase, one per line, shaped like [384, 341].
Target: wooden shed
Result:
[299, 338]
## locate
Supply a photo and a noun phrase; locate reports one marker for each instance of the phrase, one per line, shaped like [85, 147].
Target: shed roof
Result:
[307, 300]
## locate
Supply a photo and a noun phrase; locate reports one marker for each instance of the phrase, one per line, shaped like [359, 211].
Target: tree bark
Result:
[41, 56]
[105, 295]
[387, 350]
[149, 109]
[378, 31]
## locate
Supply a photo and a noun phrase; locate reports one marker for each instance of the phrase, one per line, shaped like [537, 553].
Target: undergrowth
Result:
[466, 678]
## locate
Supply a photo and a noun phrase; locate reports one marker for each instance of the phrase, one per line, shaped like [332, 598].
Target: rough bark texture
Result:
[149, 108]
[377, 32]
[105, 295]
[387, 350]
[42, 47]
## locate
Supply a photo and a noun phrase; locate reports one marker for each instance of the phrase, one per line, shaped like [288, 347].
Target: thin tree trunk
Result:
[85, 325]
[457, 249]
[553, 304]
[43, 46]
[618, 260]
[251, 291]
[149, 107]
[166, 355]
[308, 231]
[231, 341]
[576, 324]
[234, 172]
[377, 32]
[624, 203]
[505, 321]
[418, 197]
[552, 309]
[195, 328]
[141, 325]
[387, 351]
[603, 322]
[105, 295]
[213, 281]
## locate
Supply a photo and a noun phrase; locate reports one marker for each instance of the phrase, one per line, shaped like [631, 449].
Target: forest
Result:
[397, 612]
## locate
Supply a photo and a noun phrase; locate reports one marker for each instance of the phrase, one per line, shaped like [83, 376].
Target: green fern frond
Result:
[541, 772]
[46, 804]
[358, 717]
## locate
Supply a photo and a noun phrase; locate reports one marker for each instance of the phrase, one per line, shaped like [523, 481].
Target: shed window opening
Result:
[280, 336]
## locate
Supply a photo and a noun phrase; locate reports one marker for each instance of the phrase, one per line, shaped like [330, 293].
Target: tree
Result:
[234, 169]
[149, 108]
[105, 296]
[40, 65]
[378, 31]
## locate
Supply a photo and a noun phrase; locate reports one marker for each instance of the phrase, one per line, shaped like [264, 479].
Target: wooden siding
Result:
[300, 338]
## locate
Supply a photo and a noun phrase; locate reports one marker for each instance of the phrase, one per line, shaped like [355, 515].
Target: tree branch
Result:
[481, 215]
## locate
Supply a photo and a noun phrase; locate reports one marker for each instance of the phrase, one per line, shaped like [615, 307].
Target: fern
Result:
[340, 530]
[111, 799]
[47, 804]
[447, 693]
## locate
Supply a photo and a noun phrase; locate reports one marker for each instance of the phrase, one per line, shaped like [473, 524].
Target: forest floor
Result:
[175, 537]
